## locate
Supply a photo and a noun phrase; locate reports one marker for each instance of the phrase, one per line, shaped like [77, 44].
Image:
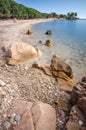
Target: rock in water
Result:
[48, 43]
[49, 32]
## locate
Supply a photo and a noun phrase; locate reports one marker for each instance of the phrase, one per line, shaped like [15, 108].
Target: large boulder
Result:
[61, 71]
[20, 52]
[32, 115]
[58, 65]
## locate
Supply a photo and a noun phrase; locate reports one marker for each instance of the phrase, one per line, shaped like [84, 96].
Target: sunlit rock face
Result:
[20, 52]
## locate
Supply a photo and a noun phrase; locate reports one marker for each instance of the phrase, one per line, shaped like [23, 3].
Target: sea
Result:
[69, 43]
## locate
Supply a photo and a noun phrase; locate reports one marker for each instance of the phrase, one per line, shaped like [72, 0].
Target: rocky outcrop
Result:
[20, 52]
[49, 32]
[77, 118]
[32, 115]
[61, 71]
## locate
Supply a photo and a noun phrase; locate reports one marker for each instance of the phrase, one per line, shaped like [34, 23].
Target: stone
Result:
[2, 83]
[15, 20]
[40, 42]
[77, 117]
[20, 52]
[66, 86]
[58, 64]
[46, 69]
[29, 32]
[49, 32]
[6, 124]
[49, 43]
[35, 115]
[82, 105]
[72, 125]
[44, 116]
[17, 117]
[62, 104]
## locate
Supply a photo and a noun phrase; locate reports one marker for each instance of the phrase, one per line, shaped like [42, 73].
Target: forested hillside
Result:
[11, 9]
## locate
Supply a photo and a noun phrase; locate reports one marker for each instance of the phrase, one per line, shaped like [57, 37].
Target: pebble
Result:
[2, 83]
[17, 118]
[80, 122]
[7, 124]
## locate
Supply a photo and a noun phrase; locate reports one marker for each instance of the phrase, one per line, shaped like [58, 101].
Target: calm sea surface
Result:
[69, 39]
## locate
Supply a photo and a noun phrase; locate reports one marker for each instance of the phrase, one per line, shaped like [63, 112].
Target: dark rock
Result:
[84, 79]
[49, 32]
[49, 43]
[77, 118]
[17, 118]
[29, 32]
[82, 105]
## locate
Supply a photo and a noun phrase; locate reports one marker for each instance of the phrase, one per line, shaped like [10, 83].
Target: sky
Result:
[57, 6]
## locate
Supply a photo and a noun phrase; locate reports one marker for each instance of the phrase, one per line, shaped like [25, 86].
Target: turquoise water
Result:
[69, 39]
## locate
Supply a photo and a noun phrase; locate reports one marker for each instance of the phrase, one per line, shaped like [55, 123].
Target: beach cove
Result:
[22, 82]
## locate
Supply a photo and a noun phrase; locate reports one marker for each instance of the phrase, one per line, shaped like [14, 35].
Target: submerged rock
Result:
[49, 43]
[49, 32]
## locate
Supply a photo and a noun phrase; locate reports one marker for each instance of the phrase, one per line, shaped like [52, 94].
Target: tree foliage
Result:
[11, 9]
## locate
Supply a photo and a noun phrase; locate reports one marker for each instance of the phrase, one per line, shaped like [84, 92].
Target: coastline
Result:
[25, 83]
[15, 31]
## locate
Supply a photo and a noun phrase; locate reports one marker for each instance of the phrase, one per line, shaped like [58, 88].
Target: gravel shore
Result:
[22, 81]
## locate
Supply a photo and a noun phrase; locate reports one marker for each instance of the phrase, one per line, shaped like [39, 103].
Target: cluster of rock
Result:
[20, 52]
[48, 42]
[77, 117]
[61, 71]
[32, 115]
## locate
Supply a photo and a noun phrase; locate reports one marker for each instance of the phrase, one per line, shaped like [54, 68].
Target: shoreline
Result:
[12, 31]
[25, 83]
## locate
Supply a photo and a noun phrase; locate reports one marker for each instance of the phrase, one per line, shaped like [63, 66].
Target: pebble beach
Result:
[22, 81]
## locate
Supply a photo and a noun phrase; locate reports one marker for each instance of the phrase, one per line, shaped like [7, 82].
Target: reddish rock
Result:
[82, 105]
[77, 118]
[34, 115]
[44, 117]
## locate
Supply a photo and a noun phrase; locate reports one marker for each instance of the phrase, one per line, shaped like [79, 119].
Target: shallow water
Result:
[69, 39]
